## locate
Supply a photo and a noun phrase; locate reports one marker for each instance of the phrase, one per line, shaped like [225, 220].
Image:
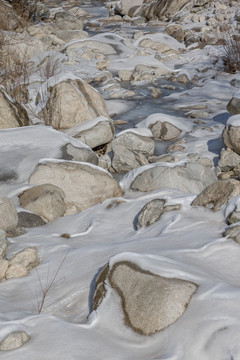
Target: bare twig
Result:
[49, 285]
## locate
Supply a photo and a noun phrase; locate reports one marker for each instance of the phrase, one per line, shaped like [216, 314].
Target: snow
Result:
[233, 121]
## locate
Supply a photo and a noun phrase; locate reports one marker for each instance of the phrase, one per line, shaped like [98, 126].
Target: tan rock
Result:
[149, 302]
[84, 185]
[12, 114]
[72, 102]
[45, 200]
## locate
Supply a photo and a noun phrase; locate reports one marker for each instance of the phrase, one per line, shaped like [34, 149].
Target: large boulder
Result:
[231, 134]
[84, 185]
[8, 215]
[217, 194]
[190, 178]
[149, 302]
[46, 200]
[12, 114]
[72, 102]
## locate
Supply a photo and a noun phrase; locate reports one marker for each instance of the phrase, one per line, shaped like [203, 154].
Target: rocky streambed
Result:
[119, 180]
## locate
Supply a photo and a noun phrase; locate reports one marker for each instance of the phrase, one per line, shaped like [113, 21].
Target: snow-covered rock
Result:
[93, 132]
[84, 185]
[233, 105]
[231, 134]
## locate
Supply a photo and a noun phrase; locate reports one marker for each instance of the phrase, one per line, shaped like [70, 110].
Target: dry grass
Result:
[49, 284]
[14, 67]
[230, 54]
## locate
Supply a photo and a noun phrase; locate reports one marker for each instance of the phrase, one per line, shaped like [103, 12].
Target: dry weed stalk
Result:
[230, 54]
[49, 285]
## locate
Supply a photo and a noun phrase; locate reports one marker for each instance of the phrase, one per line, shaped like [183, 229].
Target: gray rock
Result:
[70, 152]
[191, 178]
[46, 200]
[149, 302]
[14, 340]
[217, 194]
[150, 213]
[228, 160]
[231, 136]
[233, 106]
[135, 142]
[29, 220]
[8, 214]
[84, 185]
[125, 160]
[233, 232]
[164, 130]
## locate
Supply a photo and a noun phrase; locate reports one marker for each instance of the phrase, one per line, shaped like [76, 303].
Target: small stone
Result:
[14, 340]
[150, 213]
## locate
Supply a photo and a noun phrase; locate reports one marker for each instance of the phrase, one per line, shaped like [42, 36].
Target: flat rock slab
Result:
[150, 302]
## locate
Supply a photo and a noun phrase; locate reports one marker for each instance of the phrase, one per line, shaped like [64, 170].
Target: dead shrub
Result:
[14, 66]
